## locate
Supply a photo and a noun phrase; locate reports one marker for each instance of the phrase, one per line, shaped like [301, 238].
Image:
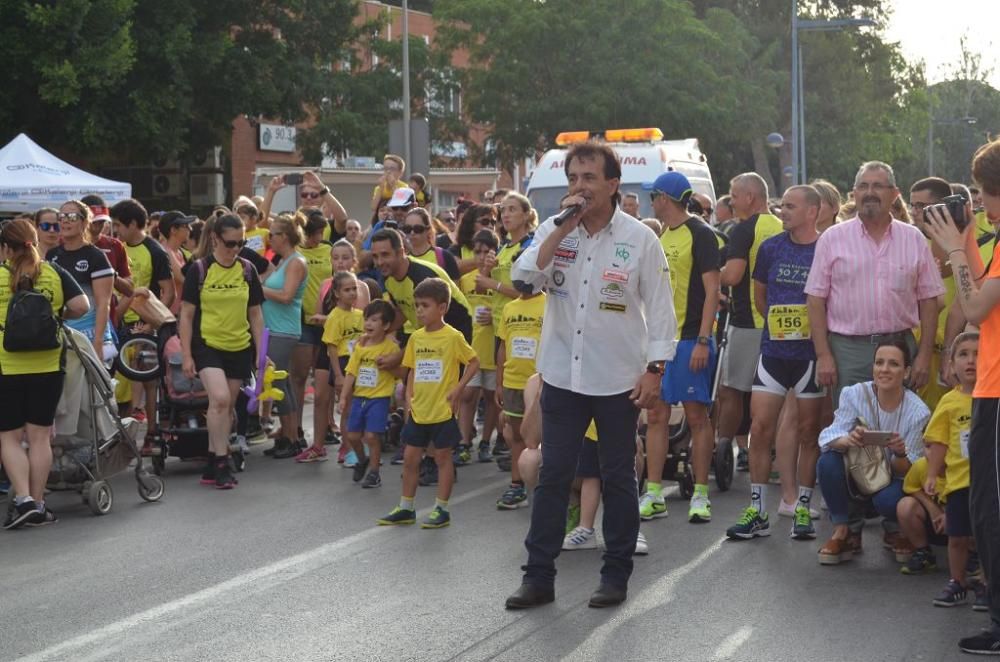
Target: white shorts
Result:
[739, 365]
[484, 379]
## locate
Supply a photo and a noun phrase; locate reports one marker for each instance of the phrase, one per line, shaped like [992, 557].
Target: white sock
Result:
[758, 494]
[805, 495]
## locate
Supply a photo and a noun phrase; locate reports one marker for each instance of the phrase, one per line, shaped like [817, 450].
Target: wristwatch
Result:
[655, 367]
[703, 340]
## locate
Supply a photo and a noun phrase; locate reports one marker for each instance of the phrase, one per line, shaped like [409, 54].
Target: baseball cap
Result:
[673, 184]
[172, 219]
[402, 197]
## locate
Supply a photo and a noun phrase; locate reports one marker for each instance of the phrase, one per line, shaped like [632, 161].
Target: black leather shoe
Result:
[530, 595]
[607, 595]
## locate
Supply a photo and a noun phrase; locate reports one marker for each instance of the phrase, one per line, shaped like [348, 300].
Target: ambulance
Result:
[644, 155]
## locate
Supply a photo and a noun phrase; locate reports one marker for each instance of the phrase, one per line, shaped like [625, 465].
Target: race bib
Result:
[788, 322]
[367, 377]
[255, 242]
[524, 348]
[963, 442]
[429, 371]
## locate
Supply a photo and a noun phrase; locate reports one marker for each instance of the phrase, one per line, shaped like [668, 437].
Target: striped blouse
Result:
[909, 421]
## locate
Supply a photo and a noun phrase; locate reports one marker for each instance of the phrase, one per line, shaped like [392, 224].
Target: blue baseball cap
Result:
[672, 184]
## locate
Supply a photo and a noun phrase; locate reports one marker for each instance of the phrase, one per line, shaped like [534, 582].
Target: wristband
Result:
[956, 250]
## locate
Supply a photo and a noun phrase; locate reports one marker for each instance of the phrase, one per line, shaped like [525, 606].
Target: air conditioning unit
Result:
[165, 163]
[167, 185]
[207, 190]
[210, 159]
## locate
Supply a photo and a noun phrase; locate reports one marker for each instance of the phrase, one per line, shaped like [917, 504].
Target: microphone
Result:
[572, 210]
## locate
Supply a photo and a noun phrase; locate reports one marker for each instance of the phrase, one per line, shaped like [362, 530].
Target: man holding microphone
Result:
[609, 328]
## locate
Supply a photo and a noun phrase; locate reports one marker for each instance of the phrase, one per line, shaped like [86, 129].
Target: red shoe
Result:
[342, 453]
[312, 454]
[139, 415]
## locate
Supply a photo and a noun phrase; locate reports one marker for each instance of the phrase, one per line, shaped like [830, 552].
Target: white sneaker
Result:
[641, 546]
[788, 510]
[580, 538]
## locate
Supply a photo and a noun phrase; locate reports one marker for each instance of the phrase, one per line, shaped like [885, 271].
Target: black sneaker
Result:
[284, 448]
[372, 480]
[428, 473]
[742, 460]
[23, 513]
[985, 643]
[332, 438]
[48, 517]
[223, 476]
[359, 470]
[208, 475]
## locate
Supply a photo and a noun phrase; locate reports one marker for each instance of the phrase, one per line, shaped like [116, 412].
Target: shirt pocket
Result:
[902, 277]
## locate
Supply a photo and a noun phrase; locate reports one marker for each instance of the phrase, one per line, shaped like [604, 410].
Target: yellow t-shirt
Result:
[222, 301]
[343, 328]
[916, 477]
[483, 335]
[369, 381]
[501, 273]
[150, 264]
[434, 357]
[521, 330]
[949, 425]
[258, 239]
[385, 192]
[50, 284]
[319, 267]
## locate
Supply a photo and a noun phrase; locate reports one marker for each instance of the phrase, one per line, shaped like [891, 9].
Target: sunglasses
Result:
[306, 195]
[69, 216]
[49, 227]
[414, 229]
[233, 243]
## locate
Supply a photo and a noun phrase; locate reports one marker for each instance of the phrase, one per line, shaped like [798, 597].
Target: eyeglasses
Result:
[48, 227]
[69, 216]
[233, 243]
[918, 206]
[414, 229]
[306, 195]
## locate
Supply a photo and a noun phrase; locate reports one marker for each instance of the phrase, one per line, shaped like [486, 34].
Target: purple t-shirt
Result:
[783, 266]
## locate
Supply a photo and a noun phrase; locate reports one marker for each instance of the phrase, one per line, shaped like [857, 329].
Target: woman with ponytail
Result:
[30, 381]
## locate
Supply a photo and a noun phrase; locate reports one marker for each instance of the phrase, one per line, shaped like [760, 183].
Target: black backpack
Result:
[31, 325]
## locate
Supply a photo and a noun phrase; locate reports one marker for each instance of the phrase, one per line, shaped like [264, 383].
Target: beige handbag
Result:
[152, 311]
[868, 468]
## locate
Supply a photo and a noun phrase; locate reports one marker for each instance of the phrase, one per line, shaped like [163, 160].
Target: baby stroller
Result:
[92, 443]
[181, 408]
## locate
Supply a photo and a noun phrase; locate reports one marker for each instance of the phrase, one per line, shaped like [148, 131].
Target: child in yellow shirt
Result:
[947, 439]
[520, 335]
[433, 356]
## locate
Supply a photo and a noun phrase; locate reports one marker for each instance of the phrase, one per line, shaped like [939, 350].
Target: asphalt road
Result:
[290, 566]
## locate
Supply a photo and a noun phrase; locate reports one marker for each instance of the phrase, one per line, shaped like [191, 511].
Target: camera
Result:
[955, 204]
[292, 178]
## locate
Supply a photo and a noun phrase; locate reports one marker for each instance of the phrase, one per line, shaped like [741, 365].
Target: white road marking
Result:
[276, 573]
[732, 643]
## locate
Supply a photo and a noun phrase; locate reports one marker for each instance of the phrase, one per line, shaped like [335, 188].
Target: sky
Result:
[930, 30]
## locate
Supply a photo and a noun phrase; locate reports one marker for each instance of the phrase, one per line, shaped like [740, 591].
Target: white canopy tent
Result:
[31, 178]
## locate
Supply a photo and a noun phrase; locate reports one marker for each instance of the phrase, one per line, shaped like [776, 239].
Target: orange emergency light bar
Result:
[633, 135]
[611, 135]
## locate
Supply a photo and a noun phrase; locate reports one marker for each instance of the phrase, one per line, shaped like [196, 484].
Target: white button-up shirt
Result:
[609, 310]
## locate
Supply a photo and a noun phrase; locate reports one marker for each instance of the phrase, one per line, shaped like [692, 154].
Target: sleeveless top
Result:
[284, 318]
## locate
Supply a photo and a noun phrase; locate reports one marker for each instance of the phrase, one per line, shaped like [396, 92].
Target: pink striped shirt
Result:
[873, 287]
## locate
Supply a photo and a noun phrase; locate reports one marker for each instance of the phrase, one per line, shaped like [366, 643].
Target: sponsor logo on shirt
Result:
[82, 265]
[613, 291]
[570, 243]
[566, 255]
[614, 307]
[558, 278]
[623, 250]
[615, 275]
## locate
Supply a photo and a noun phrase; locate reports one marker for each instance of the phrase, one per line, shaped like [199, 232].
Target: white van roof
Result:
[641, 162]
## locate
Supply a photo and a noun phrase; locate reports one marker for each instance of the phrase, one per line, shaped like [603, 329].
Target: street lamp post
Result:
[406, 84]
[798, 106]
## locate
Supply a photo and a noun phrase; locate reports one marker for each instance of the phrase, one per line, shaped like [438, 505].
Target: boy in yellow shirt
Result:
[947, 439]
[520, 334]
[433, 391]
[369, 390]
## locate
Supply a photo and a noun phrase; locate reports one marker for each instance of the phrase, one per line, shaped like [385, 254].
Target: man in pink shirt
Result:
[873, 278]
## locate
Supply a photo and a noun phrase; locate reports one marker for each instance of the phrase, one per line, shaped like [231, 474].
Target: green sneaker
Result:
[572, 518]
[438, 519]
[753, 524]
[398, 516]
[802, 527]
[700, 510]
[652, 506]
